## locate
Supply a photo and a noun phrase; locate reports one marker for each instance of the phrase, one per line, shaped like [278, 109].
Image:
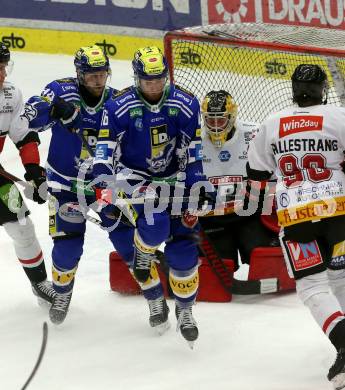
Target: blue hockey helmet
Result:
[149, 63]
[91, 59]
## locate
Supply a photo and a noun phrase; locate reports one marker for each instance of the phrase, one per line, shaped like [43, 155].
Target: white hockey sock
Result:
[337, 285]
[314, 292]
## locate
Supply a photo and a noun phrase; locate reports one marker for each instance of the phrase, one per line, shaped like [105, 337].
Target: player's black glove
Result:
[206, 198]
[67, 113]
[36, 175]
[255, 192]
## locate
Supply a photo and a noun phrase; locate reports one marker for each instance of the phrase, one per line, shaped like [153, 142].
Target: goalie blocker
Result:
[265, 263]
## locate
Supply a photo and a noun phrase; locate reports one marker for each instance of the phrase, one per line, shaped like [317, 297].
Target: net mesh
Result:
[234, 57]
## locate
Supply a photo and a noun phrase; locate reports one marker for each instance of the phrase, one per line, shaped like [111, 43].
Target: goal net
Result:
[254, 62]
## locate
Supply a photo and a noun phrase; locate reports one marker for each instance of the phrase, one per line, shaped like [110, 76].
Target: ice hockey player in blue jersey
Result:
[150, 133]
[72, 107]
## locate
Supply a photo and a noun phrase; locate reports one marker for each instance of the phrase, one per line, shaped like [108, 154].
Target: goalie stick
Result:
[40, 355]
[226, 278]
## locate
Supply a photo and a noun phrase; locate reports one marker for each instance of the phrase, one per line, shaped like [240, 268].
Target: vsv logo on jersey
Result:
[299, 123]
[304, 255]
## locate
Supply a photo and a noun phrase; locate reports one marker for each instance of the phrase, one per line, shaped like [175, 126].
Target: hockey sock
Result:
[63, 279]
[337, 335]
[184, 285]
[144, 256]
[152, 288]
[314, 292]
[337, 284]
[27, 249]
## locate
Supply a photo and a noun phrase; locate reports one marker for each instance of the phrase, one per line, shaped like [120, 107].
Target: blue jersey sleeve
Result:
[38, 108]
[189, 145]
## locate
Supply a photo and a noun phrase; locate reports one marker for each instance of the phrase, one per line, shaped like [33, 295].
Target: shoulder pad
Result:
[121, 92]
[185, 91]
[66, 80]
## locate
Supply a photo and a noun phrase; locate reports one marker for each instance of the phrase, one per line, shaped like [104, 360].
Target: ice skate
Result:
[159, 312]
[44, 292]
[336, 373]
[186, 324]
[59, 308]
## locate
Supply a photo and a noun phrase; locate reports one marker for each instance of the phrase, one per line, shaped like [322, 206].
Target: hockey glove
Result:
[206, 198]
[67, 113]
[255, 192]
[36, 175]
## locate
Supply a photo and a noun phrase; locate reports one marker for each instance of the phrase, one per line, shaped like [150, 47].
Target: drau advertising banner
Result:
[148, 14]
[318, 13]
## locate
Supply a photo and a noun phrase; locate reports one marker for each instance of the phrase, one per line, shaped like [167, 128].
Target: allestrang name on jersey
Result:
[304, 145]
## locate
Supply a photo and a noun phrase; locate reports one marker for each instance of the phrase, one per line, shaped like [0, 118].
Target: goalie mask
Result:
[219, 112]
[309, 85]
[92, 66]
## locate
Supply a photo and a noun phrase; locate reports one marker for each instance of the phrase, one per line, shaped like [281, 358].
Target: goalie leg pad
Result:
[268, 262]
[210, 288]
[121, 279]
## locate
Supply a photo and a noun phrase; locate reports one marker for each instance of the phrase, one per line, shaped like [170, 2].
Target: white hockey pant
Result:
[25, 242]
[314, 291]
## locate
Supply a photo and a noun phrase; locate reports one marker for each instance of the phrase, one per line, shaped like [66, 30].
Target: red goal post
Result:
[254, 62]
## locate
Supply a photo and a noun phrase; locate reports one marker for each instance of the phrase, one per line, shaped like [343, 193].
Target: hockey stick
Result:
[15, 179]
[27, 185]
[40, 356]
[227, 280]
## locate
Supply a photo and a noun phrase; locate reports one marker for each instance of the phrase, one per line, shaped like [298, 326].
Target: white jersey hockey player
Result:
[306, 145]
[225, 146]
[12, 207]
